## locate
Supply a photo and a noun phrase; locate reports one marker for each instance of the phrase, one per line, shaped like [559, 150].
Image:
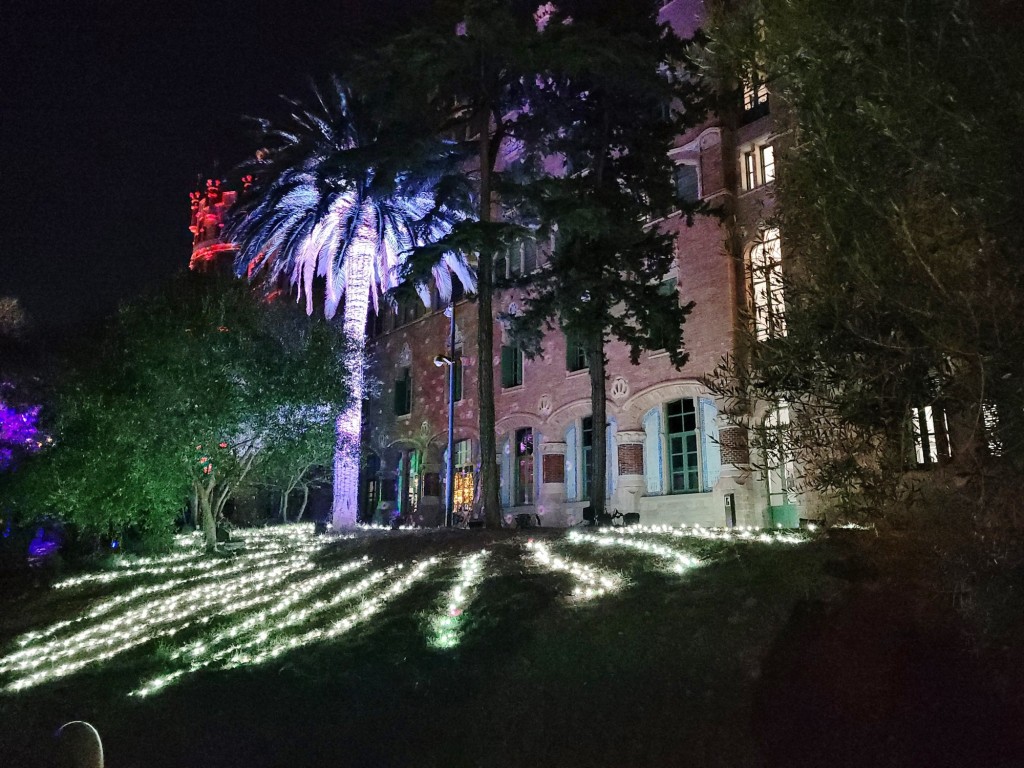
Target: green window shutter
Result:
[457, 369]
[511, 366]
[403, 394]
[506, 366]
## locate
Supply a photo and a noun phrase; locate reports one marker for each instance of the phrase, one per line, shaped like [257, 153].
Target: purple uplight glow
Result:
[19, 431]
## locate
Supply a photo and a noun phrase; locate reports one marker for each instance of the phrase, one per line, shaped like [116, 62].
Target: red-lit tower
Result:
[209, 207]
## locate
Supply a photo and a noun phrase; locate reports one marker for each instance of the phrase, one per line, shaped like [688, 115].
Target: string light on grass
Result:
[679, 562]
[162, 618]
[262, 642]
[738, 533]
[589, 582]
[445, 628]
[240, 564]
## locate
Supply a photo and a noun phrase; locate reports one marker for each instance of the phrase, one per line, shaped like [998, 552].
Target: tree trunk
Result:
[282, 506]
[349, 424]
[485, 341]
[305, 500]
[598, 478]
[207, 519]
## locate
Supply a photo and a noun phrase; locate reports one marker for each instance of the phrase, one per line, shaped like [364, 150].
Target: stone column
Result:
[551, 499]
[631, 485]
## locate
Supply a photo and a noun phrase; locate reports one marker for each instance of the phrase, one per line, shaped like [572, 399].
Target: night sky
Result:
[109, 112]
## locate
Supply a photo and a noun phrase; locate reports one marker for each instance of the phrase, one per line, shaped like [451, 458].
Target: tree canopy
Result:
[901, 233]
[182, 400]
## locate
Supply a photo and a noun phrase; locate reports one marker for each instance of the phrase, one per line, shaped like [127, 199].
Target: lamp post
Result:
[449, 360]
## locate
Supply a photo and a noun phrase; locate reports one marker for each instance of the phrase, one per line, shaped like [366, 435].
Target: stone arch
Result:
[634, 408]
[517, 420]
[568, 414]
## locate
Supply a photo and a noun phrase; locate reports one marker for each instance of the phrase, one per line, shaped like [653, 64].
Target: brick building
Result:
[672, 457]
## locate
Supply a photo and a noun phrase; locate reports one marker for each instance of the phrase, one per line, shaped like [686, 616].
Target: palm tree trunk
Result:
[349, 424]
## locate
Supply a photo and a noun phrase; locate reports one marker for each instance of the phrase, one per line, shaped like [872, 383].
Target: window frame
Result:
[767, 291]
[406, 383]
[698, 188]
[575, 354]
[693, 474]
[511, 366]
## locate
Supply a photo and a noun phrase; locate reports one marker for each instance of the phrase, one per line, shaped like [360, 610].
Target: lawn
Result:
[428, 648]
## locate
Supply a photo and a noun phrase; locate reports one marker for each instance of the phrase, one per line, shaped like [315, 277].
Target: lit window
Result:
[758, 165]
[465, 477]
[511, 366]
[931, 435]
[755, 98]
[990, 417]
[749, 170]
[767, 164]
[766, 283]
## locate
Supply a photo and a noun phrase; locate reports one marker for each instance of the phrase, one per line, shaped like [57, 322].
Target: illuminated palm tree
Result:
[339, 196]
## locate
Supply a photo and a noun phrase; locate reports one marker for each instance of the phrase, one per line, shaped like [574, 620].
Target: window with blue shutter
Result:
[571, 475]
[505, 472]
[710, 447]
[652, 452]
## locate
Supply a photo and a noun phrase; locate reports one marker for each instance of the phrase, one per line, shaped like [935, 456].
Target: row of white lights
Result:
[244, 563]
[740, 533]
[262, 646]
[160, 619]
[444, 628]
[589, 582]
[679, 562]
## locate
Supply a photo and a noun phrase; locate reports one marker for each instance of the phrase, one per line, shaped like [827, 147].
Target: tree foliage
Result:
[612, 94]
[187, 395]
[901, 231]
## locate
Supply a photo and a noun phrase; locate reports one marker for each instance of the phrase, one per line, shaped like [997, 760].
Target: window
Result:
[758, 165]
[755, 97]
[521, 260]
[575, 354]
[766, 285]
[930, 435]
[681, 420]
[767, 164]
[660, 336]
[409, 309]
[687, 183]
[457, 371]
[749, 170]
[465, 477]
[403, 393]
[779, 464]
[511, 366]
[682, 453]
[524, 465]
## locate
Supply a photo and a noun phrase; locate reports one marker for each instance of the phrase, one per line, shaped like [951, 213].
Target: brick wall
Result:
[631, 459]
[553, 468]
[734, 446]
